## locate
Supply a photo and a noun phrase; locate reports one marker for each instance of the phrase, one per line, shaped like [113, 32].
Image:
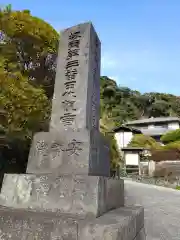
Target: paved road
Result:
[162, 209]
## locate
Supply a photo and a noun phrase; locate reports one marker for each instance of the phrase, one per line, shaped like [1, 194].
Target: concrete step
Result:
[125, 223]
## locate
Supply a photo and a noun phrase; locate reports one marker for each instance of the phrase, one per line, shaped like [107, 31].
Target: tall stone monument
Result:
[66, 192]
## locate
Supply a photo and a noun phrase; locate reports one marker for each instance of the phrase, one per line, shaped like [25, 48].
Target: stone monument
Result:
[67, 192]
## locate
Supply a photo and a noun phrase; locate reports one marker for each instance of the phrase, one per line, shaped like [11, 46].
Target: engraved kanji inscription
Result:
[69, 92]
[68, 105]
[56, 146]
[73, 63]
[74, 44]
[56, 151]
[41, 146]
[94, 102]
[74, 35]
[71, 74]
[69, 85]
[67, 119]
[72, 53]
[69, 88]
[73, 148]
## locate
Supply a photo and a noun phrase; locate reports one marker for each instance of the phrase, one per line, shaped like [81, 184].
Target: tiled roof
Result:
[153, 120]
[125, 128]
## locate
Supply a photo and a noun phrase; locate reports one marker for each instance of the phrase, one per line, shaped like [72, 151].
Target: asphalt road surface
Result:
[161, 208]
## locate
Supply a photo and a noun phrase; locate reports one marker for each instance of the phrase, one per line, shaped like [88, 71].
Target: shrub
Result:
[140, 140]
[171, 136]
[172, 145]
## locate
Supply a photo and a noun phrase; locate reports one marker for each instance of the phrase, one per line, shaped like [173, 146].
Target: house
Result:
[153, 127]
[132, 159]
[123, 135]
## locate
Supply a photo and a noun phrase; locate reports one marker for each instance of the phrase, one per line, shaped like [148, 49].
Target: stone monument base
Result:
[66, 194]
[125, 223]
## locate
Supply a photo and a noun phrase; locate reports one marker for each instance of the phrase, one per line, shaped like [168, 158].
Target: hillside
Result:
[119, 104]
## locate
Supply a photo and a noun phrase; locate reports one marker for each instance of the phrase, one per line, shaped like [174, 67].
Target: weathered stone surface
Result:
[69, 152]
[74, 144]
[119, 224]
[78, 195]
[77, 92]
[26, 225]
[83, 195]
[141, 235]
[115, 193]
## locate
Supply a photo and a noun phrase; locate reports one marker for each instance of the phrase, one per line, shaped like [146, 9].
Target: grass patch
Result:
[177, 187]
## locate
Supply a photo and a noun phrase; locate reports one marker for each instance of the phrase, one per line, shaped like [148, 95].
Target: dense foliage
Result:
[172, 145]
[28, 45]
[21, 113]
[171, 136]
[121, 104]
[140, 140]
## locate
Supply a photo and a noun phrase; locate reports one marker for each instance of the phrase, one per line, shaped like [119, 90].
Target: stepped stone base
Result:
[70, 194]
[125, 223]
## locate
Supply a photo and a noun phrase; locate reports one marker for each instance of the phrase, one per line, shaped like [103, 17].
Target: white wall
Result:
[151, 126]
[123, 138]
[173, 126]
[131, 159]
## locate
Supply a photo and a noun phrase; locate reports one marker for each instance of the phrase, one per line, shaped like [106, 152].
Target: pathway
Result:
[161, 206]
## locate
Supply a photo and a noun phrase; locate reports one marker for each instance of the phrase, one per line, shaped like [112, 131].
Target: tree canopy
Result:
[23, 106]
[28, 45]
[122, 104]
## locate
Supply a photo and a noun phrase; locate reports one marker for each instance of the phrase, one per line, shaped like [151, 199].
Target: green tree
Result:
[159, 108]
[23, 107]
[24, 110]
[106, 126]
[29, 45]
[122, 104]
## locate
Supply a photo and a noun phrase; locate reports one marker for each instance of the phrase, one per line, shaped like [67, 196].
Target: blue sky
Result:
[140, 38]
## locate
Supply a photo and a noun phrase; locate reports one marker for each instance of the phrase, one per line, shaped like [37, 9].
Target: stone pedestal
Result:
[66, 192]
[78, 195]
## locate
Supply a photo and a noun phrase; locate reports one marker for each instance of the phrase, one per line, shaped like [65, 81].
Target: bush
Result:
[140, 140]
[172, 145]
[115, 156]
[171, 136]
